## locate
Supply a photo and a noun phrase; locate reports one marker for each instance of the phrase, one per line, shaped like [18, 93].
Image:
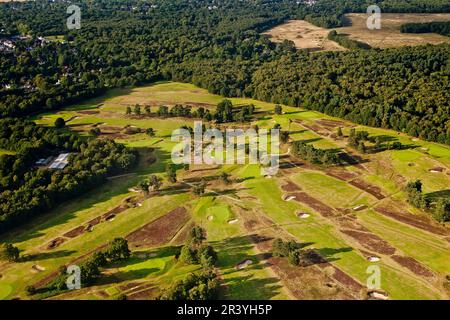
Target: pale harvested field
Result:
[304, 35]
[389, 36]
[307, 36]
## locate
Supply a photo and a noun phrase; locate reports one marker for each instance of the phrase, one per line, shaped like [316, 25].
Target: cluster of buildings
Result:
[7, 45]
[57, 164]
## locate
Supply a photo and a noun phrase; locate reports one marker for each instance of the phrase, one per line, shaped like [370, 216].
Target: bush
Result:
[60, 123]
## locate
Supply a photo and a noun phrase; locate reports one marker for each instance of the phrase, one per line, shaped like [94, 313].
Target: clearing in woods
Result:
[307, 36]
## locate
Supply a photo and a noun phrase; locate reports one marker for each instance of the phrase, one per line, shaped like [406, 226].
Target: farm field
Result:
[341, 215]
[307, 36]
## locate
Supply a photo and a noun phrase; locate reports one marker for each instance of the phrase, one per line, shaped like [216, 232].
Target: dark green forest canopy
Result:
[440, 27]
[218, 46]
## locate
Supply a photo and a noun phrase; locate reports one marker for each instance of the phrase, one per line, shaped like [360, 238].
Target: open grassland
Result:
[389, 36]
[307, 36]
[242, 218]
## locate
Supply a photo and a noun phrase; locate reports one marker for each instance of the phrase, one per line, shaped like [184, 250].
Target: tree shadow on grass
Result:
[439, 194]
[329, 253]
[46, 255]
[251, 288]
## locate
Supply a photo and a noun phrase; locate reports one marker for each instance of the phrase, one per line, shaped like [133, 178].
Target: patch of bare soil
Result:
[341, 173]
[113, 212]
[369, 188]
[348, 223]
[75, 232]
[88, 112]
[389, 36]
[290, 187]
[370, 241]
[95, 221]
[161, 230]
[347, 280]
[182, 235]
[412, 220]
[299, 279]
[319, 130]
[102, 294]
[55, 243]
[145, 294]
[129, 286]
[412, 265]
[304, 35]
[313, 203]
[332, 124]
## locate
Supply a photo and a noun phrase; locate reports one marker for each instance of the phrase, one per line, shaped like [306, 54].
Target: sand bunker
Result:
[373, 259]
[287, 198]
[378, 295]
[210, 218]
[244, 264]
[233, 221]
[437, 170]
[110, 218]
[38, 268]
[303, 215]
[360, 207]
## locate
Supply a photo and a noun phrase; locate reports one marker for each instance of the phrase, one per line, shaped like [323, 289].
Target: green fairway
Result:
[331, 191]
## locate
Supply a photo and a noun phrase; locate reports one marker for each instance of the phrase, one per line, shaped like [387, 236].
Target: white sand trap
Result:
[286, 198]
[139, 204]
[210, 218]
[304, 215]
[37, 268]
[233, 221]
[378, 295]
[244, 264]
[90, 228]
[373, 259]
[133, 190]
[111, 218]
[360, 207]
[268, 177]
